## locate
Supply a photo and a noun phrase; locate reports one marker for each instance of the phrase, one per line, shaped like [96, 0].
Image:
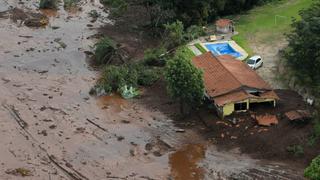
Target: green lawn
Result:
[267, 23]
[200, 48]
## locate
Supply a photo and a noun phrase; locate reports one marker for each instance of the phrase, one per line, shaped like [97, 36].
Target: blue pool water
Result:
[222, 49]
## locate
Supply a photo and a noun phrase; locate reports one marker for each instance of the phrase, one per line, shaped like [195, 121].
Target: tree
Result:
[184, 80]
[118, 7]
[303, 50]
[189, 12]
[174, 34]
[313, 170]
[48, 4]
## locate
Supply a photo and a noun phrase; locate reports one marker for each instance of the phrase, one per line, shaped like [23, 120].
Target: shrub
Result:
[70, 3]
[118, 7]
[48, 4]
[94, 14]
[105, 49]
[155, 57]
[118, 76]
[114, 78]
[147, 77]
[194, 32]
[313, 170]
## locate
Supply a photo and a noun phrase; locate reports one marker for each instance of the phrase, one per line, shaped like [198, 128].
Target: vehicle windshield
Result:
[250, 61]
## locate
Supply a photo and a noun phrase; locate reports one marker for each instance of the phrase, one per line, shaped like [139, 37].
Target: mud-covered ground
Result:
[51, 128]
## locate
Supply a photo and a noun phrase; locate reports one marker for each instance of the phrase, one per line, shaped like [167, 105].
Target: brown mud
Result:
[51, 128]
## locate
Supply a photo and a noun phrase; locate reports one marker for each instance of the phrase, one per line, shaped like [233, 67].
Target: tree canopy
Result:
[184, 80]
[313, 170]
[303, 52]
[190, 12]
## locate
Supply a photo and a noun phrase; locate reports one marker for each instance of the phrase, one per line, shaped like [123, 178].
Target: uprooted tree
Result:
[108, 52]
[184, 81]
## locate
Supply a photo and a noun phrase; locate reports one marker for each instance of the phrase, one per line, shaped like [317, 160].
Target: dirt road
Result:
[51, 128]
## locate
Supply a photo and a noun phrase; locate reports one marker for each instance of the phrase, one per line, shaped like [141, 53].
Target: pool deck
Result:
[225, 38]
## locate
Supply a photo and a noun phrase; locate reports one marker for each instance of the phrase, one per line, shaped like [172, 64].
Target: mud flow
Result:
[51, 128]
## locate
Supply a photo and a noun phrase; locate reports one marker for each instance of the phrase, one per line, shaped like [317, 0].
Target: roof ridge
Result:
[217, 58]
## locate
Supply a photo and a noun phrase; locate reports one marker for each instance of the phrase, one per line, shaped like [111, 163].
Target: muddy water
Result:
[185, 162]
[50, 125]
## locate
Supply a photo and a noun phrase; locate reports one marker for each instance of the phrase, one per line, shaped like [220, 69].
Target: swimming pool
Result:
[222, 49]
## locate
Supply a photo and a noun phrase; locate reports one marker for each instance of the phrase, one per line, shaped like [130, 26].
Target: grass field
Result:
[267, 23]
[200, 48]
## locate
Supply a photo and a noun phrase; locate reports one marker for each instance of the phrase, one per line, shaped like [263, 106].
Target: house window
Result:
[240, 106]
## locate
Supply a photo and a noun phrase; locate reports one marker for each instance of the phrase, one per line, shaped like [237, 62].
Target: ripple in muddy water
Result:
[185, 162]
[114, 103]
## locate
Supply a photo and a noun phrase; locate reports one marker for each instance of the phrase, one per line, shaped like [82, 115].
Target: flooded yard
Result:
[53, 129]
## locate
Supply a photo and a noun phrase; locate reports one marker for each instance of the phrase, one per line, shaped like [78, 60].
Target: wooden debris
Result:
[180, 130]
[97, 125]
[19, 172]
[266, 120]
[16, 115]
[298, 115]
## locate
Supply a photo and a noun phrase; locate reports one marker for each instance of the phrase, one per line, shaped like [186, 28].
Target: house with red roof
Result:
[224, 26]
[232, 85]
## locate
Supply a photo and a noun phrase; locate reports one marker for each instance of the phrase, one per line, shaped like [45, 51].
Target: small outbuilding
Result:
[224, 26]
[231, 85]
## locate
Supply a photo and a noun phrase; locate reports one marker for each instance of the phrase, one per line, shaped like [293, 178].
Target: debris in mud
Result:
[52, 126]
[29, 19]
[55, 27]
[25, 36]
[19, 172]
[36, 22]
[6, 80]
[132, 153]
[148, 147]
[43, 132]
[59, 41]
[41, 71]
[43, 108]
[298, 115]
[120, 138]
[266, 120]
[125, 121]
[89, 53]
[97, 125]
[80, 130]
[94, 14]
[157, 147]
[157, 153]
[180, 130]
[97, 91]
[16, 115]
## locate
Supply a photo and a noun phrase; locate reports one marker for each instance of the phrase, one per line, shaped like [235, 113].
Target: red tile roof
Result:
[223, 22]
[227, 79]
[243, 73]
